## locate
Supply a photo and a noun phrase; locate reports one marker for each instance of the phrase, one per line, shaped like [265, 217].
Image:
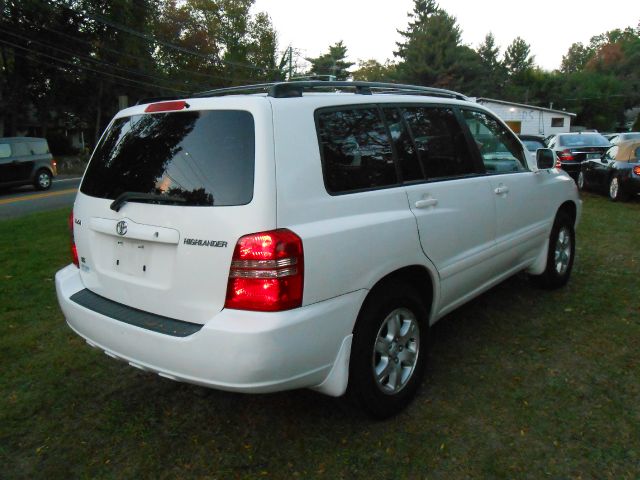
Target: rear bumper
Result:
[235, 350]
[572, 168]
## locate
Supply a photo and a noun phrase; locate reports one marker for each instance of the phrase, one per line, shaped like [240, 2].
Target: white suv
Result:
[305, 234]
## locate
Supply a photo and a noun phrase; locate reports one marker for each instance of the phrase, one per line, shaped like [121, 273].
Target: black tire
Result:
[42, 180]
[559, 259]
[616, 192]
[382, 398]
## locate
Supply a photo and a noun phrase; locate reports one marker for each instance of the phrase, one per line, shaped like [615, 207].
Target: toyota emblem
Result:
[121, 227]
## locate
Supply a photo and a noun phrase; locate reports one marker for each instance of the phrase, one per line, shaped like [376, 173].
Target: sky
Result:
[368, 27]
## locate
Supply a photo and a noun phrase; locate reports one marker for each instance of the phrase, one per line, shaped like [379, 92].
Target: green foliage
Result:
[331, 63]
[374, 71]
[517, 58]
[432, 53]
[72, 60]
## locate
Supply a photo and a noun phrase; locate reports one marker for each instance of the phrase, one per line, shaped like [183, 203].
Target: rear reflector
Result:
[74, 250]
[167, 106]
[267, 272]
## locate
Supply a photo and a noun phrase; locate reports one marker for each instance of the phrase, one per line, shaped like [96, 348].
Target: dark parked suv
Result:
[24, 161]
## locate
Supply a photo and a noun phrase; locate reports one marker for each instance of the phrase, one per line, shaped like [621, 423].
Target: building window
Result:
[557, 122]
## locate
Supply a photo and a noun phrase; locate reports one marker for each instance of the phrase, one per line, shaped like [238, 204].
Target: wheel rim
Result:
[44, 180]
[614, 187]
[396, 350]
[562, 252]
[580, 180]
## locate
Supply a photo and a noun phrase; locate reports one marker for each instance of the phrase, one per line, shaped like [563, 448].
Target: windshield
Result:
[583, 140]
[204, 157]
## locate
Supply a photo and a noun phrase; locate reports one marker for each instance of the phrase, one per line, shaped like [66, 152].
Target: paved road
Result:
[25, 200]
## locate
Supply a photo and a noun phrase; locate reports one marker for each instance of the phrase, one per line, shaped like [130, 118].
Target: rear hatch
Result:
[188, 183]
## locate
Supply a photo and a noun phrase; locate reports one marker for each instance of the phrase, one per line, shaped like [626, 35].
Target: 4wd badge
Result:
[121, 227]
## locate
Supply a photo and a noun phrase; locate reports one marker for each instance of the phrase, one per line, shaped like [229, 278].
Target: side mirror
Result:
[545, 158]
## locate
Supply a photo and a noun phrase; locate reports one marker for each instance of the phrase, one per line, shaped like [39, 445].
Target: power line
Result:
[151, 38]
[84, 67]
[95, 60]
[136, 57]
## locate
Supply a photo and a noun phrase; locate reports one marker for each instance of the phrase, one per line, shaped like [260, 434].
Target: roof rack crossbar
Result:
[297, 87]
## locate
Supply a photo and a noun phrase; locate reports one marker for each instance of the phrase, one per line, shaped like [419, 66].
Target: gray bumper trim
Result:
[133, 316]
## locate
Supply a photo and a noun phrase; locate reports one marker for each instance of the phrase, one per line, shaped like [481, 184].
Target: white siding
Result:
[533, 121]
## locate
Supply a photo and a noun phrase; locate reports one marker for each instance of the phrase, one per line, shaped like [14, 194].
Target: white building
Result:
[529, 119]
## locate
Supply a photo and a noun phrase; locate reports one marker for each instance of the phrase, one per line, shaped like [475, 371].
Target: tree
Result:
[493, 77]
[374, 71]
[576, 58]
[431, 52]
[331, 63]
[517, 58]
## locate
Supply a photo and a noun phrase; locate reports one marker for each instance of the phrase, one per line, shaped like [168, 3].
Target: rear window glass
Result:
[583, 139]
[40, 148]
[205, 157]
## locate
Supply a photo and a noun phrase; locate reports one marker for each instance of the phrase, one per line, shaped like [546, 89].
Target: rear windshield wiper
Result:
[133, 196]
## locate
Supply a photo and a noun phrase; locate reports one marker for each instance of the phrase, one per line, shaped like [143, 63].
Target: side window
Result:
[406, 151]
[40, 147]
[21, 149]
[5, 150]
[501, 152]
[356, 151]
[636, 154]
[440, 143]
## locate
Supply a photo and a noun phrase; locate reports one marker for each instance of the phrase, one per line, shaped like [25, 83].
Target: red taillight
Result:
[166, 106]
[74, 250]
[636, 170]
[267, 272]
[566, 156]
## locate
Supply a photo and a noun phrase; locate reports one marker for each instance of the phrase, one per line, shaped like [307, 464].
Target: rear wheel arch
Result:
[389, 349]
[416, 275]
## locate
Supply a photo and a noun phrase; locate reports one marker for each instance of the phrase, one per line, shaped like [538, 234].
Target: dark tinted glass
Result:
[582, 140]
[440, 142]
[407, 155]
[356, 152]
[205, 157]
[501, 152]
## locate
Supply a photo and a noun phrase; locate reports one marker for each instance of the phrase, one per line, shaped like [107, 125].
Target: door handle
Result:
[426, 202]
[501, 190]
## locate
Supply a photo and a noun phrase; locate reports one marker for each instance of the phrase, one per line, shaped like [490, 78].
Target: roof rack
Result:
[296, 89]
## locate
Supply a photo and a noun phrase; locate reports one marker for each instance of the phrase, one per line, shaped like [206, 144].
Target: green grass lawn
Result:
[521, 383]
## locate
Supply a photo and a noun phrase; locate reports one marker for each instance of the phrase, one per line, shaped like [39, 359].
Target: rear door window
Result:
[356, 150]
[20, 150]
[440, 143]
[205, 157]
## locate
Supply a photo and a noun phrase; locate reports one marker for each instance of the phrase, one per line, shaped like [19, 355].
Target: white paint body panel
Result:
[470, 240]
